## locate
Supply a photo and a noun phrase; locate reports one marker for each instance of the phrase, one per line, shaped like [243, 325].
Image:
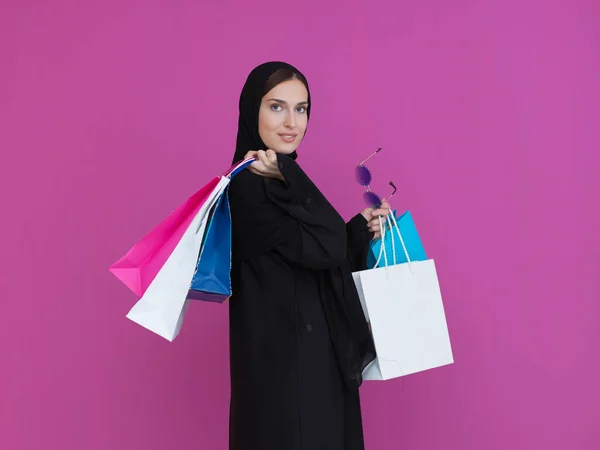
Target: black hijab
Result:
[253, 91]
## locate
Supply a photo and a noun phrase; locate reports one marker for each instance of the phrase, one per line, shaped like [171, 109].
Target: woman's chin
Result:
[287, 150]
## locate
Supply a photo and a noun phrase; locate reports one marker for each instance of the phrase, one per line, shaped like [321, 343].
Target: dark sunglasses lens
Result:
[363, 176]
[372, 200]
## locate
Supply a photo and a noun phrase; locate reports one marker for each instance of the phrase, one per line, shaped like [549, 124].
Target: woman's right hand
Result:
[265, 164]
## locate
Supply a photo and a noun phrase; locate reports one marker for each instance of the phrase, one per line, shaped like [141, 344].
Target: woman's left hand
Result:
[372, 216]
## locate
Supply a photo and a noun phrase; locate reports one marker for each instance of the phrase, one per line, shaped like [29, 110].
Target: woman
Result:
[298, 337]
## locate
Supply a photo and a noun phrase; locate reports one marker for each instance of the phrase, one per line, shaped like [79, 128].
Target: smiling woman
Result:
[298, 337]
[282, 117]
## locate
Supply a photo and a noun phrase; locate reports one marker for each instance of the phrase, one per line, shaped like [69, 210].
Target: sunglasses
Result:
[363, 177]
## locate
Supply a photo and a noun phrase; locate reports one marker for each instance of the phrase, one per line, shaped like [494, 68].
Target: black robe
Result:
[287, 387]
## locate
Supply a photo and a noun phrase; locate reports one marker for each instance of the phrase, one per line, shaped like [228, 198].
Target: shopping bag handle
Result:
[382, 251]
[238, 167]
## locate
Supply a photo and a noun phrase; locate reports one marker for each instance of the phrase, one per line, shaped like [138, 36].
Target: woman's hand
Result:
[265, 164]
[372, 216]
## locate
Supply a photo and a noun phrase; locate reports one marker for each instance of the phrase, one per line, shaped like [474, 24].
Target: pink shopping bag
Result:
[139, 266]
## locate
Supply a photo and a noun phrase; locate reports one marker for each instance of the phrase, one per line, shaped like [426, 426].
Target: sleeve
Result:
[315, 234]
[359, 240]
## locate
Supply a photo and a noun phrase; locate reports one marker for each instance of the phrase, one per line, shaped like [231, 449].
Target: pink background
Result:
[113, 112]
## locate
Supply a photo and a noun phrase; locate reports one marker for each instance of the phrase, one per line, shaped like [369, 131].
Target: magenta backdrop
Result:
[113, 112]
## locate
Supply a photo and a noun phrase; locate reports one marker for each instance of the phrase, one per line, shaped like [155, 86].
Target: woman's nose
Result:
[290, 120]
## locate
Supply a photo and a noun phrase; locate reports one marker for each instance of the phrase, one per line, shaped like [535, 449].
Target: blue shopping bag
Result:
[411, 239]
[212, 280]
[212, 277]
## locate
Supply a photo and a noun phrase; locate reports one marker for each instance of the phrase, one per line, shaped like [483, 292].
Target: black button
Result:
[281, 165]
[309, 327]
[308, 200]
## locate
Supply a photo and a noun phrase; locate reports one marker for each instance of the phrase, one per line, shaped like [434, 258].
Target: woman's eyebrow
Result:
[283, 102]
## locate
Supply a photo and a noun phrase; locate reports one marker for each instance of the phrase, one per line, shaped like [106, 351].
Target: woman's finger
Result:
[381, 212]
[272, 156]
[257, 167]
[262, 155]
[384, 209]
[250, 154]
[376, 219]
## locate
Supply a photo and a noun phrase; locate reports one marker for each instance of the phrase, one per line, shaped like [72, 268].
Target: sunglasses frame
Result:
[369, 191]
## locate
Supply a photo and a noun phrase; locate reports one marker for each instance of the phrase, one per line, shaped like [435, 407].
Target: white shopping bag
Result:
[163, 306]
[403, 304]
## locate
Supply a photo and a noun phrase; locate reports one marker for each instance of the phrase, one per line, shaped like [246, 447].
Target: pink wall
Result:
[114, 112]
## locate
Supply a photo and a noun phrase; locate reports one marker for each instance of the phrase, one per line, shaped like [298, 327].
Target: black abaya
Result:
[287, 388]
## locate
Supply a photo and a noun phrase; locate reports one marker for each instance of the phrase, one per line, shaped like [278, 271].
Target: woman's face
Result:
[282, 117]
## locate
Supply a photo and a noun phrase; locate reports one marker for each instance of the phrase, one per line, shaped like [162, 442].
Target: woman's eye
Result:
[301, 109]
[276, 107]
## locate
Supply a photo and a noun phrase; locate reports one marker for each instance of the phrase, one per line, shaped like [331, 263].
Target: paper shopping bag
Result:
[212, 279]
[414, 247]
[138, 267]
[404, 306]
[163, 306]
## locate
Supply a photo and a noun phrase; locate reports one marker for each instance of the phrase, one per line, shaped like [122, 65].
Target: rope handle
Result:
[382, 252]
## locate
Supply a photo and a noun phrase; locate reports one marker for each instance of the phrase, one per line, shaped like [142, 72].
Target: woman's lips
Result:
[288, 137]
